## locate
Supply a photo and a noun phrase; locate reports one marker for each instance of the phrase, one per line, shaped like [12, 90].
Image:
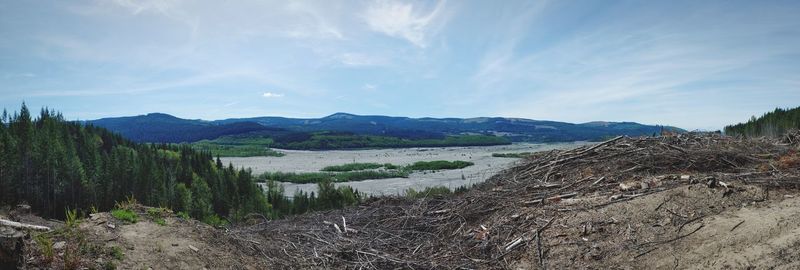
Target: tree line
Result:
[771, 124]
[53, 164]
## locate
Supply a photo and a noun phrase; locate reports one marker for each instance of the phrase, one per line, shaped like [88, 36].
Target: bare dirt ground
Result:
[681, 202]
[104, 242]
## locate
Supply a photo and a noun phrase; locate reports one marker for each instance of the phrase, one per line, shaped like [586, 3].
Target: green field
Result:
[361, 171]
[316, 177]
[245, 147]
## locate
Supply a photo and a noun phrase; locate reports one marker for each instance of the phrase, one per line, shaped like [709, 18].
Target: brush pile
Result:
[535, 211]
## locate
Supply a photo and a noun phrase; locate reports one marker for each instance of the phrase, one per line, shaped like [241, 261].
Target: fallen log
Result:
[18, 225]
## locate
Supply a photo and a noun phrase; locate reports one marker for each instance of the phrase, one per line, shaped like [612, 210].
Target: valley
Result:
[485, 165]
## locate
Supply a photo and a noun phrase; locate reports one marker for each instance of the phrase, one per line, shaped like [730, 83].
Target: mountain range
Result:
[165, 128]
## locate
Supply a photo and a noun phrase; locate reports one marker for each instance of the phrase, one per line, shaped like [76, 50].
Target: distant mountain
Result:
[157, 127]
[165, 128]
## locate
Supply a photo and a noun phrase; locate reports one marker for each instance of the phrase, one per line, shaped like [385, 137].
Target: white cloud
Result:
[403, 20]
[272, 95]
[369, 87]
[359, 60]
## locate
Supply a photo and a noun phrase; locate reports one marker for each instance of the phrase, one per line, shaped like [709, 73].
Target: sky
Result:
[691, 64]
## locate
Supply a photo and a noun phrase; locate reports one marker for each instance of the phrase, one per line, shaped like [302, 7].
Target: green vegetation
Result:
[53, 164]
[45, 244]
[428, 192]
[254, 145]
[512, 155]
[126, 215]
[226, 147]
[327, 197]
[771, 124]
[361, 171]
[71, 219]
[330, 140]
[116, 253]
[439, 165]
[317, 177]
[358, 167]
[437, 191]
[157, 214]
[182, 215]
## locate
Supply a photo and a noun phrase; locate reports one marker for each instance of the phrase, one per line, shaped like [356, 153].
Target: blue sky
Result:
[693, 64]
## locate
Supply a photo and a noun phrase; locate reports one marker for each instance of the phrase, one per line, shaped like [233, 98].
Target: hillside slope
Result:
[165, 128]
[687, 201]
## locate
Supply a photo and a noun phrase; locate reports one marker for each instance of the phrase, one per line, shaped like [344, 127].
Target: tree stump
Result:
[11, 244]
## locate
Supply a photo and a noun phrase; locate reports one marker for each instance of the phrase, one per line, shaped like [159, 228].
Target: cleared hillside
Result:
[705, 201]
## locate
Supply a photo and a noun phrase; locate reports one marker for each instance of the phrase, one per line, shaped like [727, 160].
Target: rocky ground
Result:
[686, 201]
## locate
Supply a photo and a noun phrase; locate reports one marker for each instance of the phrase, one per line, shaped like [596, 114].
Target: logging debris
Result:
[550, 208]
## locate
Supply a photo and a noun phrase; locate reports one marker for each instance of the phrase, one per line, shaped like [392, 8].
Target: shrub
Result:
[46, 246]
[183, 215]
[439, 165]
[72, 219]
[428, 192]
[126, 215]
[116, 253]
[353, 167]
[215, 221]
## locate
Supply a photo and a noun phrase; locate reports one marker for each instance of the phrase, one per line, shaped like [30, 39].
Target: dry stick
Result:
[539, 242]
[662, 203]
[598, 181]
[690, 221]
[737, 225]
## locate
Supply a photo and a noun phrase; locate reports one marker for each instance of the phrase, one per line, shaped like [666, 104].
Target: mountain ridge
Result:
[161, 127]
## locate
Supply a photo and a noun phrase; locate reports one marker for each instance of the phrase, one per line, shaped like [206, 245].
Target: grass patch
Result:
[158, 214]
[361, 171]
[316, 177]
[72, 218]
[439, 165]
[512, 155]
[215, 221]
[183, 215]
[358, 167]
[116, 253]
[126, 215]
[235, 150]
[109, 265]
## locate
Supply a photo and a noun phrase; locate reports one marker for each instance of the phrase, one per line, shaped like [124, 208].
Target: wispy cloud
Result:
[369, 87]
[272, 95]
[359, 60]
[405, 20]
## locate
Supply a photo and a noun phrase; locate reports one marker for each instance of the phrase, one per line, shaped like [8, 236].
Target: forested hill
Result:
[772, 124]
[165, 128]
[149, 128]
[53, 164]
